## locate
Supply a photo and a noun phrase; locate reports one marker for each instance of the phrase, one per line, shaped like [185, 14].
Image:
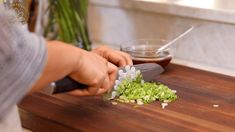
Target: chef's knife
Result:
[148, 71]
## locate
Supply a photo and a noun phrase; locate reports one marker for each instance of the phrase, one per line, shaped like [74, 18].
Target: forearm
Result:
[62, 58]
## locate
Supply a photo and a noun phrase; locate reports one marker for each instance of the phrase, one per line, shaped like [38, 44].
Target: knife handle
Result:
[67, 84]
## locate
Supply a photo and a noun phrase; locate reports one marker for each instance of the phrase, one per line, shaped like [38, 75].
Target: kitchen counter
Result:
[205, 103]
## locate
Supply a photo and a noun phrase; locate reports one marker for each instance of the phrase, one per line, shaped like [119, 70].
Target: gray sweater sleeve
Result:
[22, 59]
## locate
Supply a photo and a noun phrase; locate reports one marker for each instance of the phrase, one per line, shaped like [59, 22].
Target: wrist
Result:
[80, 54]
[62, 57]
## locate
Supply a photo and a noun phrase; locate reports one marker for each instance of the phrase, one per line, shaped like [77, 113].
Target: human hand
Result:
[95, 72]
[84, 67]
[116, 57]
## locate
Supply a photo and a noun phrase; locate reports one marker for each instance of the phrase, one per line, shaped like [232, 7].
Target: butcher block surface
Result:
[206, 102]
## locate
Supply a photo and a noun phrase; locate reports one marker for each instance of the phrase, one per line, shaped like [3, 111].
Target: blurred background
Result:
[210, 46]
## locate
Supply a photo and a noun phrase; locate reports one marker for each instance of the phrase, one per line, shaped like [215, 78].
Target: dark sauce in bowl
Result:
[144, 51]
[163, 62]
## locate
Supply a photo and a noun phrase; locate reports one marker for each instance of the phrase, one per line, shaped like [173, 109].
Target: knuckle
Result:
[115, 68]
[96, 81]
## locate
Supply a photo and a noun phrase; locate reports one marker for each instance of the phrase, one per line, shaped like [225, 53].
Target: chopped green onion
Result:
[135, 90]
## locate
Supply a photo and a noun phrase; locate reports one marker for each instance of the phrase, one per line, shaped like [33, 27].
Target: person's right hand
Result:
[84, 67]
[95, 72]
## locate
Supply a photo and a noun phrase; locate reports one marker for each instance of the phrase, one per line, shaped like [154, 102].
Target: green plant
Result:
[67, 22]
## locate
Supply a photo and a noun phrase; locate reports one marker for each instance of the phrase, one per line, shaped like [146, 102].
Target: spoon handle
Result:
[175, 39]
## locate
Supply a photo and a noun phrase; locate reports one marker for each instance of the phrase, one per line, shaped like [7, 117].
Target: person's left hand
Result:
[116, 57]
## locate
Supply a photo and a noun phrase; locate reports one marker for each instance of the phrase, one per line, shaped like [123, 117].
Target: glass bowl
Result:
[144, 51]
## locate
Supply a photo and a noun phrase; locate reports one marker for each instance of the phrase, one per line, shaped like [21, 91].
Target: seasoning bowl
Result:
[145, 51]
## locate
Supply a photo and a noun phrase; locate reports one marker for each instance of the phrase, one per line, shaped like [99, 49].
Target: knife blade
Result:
[148, 71]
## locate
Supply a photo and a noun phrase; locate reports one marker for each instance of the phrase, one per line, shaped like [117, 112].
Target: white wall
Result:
[210, 46]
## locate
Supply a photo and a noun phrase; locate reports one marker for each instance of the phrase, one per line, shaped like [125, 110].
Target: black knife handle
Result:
[67, 84]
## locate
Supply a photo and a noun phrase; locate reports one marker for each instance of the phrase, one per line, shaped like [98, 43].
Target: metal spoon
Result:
[174, 40]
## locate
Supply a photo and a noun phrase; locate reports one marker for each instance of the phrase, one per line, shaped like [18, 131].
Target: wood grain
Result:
[198, 91]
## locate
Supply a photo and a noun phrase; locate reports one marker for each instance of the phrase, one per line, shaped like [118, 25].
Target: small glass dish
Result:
[144, 51]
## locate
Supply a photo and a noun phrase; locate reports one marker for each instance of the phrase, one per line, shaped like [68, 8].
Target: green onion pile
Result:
[131, 88]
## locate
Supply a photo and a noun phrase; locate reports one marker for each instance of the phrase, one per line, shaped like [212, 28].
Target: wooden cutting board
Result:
[198, 91]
